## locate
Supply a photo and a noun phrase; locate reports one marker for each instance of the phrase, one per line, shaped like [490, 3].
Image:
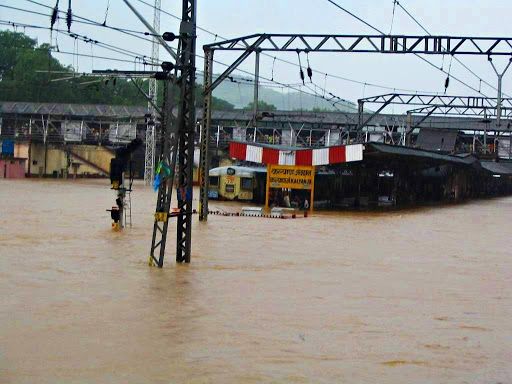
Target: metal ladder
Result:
[127, 208]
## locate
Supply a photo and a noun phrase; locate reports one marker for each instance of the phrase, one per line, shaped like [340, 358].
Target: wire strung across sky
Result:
[366, 84]
[85, 39]
[454, 57]
[417, 55]
[144, 58]
[135, 56]
[131, 32]
[82, 20]
[145, 61]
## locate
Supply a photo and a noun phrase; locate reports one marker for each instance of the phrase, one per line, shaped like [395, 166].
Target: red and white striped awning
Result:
[321, 156]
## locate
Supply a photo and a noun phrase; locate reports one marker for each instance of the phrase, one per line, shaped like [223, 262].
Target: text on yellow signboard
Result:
[291, 176]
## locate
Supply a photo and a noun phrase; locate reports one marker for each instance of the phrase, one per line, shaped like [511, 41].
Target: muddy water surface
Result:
[421, 296]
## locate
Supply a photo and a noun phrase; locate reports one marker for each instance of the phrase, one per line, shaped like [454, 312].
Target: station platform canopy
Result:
[269, 154]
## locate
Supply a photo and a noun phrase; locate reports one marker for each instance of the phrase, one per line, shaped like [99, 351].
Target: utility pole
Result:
[204, 160]
[178, 145]
[149, 160]
[177, 136]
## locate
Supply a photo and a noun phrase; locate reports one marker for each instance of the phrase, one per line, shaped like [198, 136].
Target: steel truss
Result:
[387, 44]
[178, 146]
[436, 105]
[445, 110]
[437, 100]
[446, 45]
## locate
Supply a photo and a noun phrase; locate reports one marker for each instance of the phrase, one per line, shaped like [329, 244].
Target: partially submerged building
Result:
[390, 175]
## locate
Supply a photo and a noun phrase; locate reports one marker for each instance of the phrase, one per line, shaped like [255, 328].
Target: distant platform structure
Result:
[117, 125]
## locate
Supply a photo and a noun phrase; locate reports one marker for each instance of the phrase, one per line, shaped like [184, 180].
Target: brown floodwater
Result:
[419, 296]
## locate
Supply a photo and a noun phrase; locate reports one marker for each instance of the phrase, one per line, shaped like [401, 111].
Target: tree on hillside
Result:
[262, 106]
[217, 104]
[28, 73]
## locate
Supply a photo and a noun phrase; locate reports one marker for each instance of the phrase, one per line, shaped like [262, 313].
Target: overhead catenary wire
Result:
[142, 57]
[417, 55]
[116, 49]
[79, 54]
[85, 39]
[333, 76]
[106, 13]
[92, 22]
[455, 58]
[392, 16]
[83, 20]
[283, 85]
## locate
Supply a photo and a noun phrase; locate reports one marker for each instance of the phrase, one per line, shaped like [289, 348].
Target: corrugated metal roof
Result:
[278, 117]
[500, 168]
[82, 110]
[441, 140]
[418, 153]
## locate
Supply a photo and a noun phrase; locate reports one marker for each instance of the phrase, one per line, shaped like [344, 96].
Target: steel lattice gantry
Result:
[485, 107]
[386, 44]
[177, 136]
[429, 45]
[149, 160]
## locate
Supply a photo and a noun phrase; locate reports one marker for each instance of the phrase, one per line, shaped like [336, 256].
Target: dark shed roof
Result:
[418, 153]
[437, 139]
[501, 168]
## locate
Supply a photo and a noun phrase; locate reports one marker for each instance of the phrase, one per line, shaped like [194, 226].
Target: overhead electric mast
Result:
[178, 143]
[149, 162]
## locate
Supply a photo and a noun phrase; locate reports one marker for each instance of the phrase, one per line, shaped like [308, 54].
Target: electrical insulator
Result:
[54, 15]
[447, 82]
[302, 76]
[169, 36]
[69, 17]
[310, 73]
[167, 66]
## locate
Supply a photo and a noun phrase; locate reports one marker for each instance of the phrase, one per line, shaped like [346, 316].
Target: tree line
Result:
[29, 73]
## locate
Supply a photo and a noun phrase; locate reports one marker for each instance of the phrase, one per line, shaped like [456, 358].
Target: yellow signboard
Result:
[291, 176]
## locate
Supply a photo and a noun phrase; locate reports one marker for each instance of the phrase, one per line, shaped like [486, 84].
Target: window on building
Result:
[246, 183]
[214, 181]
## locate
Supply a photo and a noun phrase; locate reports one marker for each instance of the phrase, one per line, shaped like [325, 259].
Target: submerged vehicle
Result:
[238, 183]
[244, 183]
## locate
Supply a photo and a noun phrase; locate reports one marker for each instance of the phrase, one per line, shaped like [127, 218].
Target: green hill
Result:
[240, 95]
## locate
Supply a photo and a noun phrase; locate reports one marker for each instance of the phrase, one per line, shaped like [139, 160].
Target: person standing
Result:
[286, 200]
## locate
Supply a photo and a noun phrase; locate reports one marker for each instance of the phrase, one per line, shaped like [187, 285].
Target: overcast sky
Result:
[230, 18]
